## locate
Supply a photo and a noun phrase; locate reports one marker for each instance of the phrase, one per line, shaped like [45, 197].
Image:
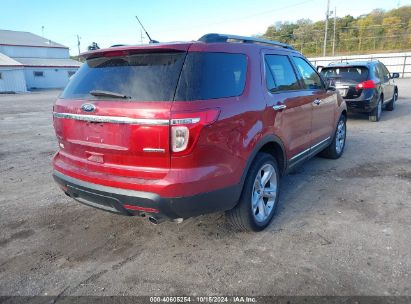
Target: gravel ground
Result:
[342, 228]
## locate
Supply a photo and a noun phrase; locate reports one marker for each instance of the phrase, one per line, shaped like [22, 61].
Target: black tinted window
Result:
[145, 77]
[385, 72]
[280, 75]
[354, 73]
[310, 77]
[212, 75]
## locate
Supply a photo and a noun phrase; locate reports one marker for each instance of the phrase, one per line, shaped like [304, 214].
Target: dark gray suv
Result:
[366, 86]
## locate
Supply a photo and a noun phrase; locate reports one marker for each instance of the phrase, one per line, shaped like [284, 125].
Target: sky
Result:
[109, 22]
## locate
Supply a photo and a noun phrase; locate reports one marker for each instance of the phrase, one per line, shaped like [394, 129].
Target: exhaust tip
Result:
[153, 220]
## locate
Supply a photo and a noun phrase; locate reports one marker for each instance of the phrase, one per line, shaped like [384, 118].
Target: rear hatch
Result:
[346, 78]
[113, 117]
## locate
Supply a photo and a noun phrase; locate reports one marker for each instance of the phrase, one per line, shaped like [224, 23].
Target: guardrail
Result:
[395, 62]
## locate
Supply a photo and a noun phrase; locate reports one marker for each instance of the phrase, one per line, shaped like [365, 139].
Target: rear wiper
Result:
[108, 94]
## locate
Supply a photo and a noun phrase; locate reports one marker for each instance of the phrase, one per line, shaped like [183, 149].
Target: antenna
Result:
[151, 40]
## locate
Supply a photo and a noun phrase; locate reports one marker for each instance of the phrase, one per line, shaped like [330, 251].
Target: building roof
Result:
[49, 62]
[17, 38]
[6, 61]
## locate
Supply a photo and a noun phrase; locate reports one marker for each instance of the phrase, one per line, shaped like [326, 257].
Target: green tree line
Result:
[378, 31]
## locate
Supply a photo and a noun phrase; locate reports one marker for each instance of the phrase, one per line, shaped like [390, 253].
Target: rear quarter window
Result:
[207, 75]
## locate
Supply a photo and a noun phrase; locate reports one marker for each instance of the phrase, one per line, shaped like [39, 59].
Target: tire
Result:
[375, 114]
[391, 105]
[246, 215]
[336, 148]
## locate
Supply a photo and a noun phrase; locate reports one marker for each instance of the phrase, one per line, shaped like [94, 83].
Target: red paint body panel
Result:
[112, 154]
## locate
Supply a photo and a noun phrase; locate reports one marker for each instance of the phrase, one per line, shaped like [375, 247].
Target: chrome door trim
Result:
[113, 119]
[310, 148]
[321, 142]
[299, 154]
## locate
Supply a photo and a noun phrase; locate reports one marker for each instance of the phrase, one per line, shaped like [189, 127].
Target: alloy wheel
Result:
[340, 137]
[264, 193]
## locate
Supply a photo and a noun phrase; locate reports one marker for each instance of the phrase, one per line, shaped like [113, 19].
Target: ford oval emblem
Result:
[88, 107]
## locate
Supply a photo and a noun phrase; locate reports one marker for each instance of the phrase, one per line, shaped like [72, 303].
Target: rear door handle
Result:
[279, 107]
[317, 102]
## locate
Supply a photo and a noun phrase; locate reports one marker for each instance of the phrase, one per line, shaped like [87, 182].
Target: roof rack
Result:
[348, 61]
[212, 38]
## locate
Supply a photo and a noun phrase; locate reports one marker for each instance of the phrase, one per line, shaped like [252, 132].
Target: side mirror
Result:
[330, 84]
[395, 75]
[319, 68]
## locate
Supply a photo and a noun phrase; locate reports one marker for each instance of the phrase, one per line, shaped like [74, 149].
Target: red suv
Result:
[175, 130]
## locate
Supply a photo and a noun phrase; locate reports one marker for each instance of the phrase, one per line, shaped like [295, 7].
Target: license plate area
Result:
[101, 135]
[343, 92]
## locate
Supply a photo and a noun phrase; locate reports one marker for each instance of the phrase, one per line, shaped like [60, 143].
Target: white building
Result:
[28, 61]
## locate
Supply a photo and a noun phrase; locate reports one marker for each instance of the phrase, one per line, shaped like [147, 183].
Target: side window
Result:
[385, 72]
[269, 79]
[378, 72]
[38, 74]
[310, 77]
[280, 74]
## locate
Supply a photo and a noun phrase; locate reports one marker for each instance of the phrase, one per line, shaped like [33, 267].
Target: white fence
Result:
[395, 62]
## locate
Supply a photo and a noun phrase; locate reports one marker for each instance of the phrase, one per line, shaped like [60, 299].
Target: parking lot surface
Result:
[343, 226]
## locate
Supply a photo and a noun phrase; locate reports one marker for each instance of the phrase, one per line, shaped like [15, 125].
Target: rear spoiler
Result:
[137, 49]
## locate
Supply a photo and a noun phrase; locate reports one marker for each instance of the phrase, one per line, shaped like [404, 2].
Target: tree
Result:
[371, 32]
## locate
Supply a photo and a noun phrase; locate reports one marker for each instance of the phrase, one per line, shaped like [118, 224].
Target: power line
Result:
[237, 18]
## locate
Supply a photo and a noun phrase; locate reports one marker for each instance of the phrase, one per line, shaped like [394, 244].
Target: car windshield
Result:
[353, 73]
[160, 77]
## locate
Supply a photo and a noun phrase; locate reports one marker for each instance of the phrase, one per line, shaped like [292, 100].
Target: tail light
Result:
[186, 127]
[368, 84]
[179, 138]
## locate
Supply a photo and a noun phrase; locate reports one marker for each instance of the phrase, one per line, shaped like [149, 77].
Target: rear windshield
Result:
[161, 76]
[357, 74]
[146, 77]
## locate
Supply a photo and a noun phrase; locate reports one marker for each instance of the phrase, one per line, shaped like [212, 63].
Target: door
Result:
[388, 83]
[323, 103]
[289, 109]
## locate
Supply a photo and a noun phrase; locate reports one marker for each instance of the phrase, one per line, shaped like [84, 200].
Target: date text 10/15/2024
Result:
[201, 299]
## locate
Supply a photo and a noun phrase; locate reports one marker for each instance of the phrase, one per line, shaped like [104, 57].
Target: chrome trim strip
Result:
[321, 142]
[154, 150]
[312, 147]
[299, 154]
[114, 119]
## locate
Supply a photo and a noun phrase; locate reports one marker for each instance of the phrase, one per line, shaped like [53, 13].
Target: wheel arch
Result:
[270, 144]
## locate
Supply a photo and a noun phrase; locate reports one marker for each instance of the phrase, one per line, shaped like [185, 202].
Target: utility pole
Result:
[42, 31]
[326, 28]
[335, 27]
[78, 44]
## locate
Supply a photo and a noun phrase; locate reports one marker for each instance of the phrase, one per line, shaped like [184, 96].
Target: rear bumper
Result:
[130, 202]
[362, 104]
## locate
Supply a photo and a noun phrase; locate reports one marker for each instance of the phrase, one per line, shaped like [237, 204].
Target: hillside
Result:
[378, 31]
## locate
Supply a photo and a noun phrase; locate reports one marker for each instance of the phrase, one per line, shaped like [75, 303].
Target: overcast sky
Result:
[109, 22]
